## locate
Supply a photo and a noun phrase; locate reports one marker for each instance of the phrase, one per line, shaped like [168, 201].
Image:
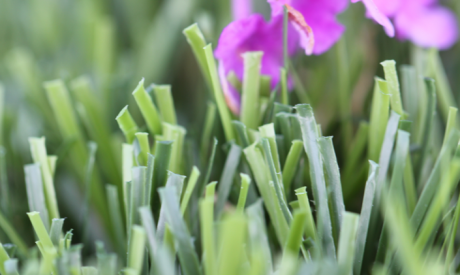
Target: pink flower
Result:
[253, 33]
[423, 22]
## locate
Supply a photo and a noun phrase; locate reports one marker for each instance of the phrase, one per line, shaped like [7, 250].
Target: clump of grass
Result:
[280, 205]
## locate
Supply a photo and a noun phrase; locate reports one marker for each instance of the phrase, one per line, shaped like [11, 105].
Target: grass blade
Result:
[148, 109]
[250, 96]
[226, 179]
[347, 245]
[310, 136]
[245, 182]
[165, 103]
[35, 195]
[335, 186]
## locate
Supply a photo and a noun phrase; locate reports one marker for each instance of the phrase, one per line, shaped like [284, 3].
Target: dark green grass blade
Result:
[226, 179]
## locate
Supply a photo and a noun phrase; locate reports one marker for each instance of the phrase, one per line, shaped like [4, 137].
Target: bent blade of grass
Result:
[187, 254]
[39, 155]
[218, 95]
[310, 137]
[148, 109]
[304, 204]
[430, 187]
[197, 42]
[366, 210]
[226, 179]
[335, 185]
[127, 124]
[35, 194]
[242, 133]
[251, 84]
[379, 118]
[347, 242]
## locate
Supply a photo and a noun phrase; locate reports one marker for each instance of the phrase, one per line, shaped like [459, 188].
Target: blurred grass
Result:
[114, 43]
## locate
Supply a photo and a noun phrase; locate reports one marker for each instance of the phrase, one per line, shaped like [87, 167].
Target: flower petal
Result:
[307, 39]
[429, 26]
[375, 13]
[241, 9]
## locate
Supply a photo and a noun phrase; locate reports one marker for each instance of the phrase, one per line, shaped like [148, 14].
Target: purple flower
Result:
[423, 22]
[253, 33]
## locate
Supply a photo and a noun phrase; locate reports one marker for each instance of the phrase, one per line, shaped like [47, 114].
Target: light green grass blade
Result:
[310, 136]
[231, 244]
[391, 76]
[290, 166]
[379, 118]
[127, 124]
[218, 95]
[165, 102]
[193, 179]
[148, 109]
[115, 212]
[197, 42]
[347, 245]
[245, 182]
[39, 155]
[251, 84]
[136, 249]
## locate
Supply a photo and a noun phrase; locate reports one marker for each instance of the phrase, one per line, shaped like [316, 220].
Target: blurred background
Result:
[116, 43]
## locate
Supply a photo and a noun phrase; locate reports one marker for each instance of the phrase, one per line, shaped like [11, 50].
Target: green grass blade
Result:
[143, 142]
[391, 76]
[136, 249]
[335, 185]
[127, 124]
[231, 249]
[193, 179]
[296, 231]
[165, 103]
[207, 130]
[176, 134]
[310, 136]
[242, 133]
[197, 42]
[186, 251]
[245, 182]
[39, 155]
[115, 212]
[218, 95]
[35, 194]
[290, 166]
[148, 109]
[207, 234]
[432, 183]
[56, 231]
[3, 258]
[379, 118]
[226, 179]
[365, 216]
[14, 237]
[347, 245]
[250, 96]
[284, 88]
